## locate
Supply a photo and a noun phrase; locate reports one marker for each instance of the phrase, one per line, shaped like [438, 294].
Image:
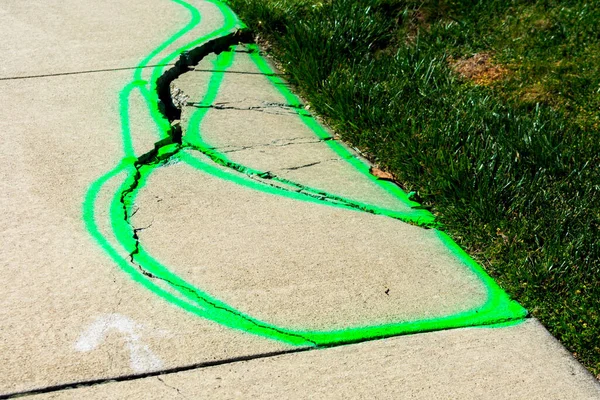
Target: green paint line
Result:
[321, 133]
[222, 64]
[498, 308]
[124, 97]
[213, 309]
[195, 19]
[123, 263]
[197, 301]
[193, 137]
[146, 270]
[297, 191]
[149, 93]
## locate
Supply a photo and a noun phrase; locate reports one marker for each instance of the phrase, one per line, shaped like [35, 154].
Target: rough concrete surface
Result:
[49, 37]
[271, 137]
[70, 314]
[298, 264]
[519, 362]
[62, 133]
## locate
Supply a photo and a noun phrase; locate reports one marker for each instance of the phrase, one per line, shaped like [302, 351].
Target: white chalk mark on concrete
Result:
[141, 358]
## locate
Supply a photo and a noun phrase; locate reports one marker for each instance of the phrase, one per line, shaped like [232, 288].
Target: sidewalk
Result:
[521, 362]
[236, 249]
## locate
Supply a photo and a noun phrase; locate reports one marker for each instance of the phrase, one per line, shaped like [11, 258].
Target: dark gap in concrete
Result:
[168, 371]
[189, 59]
[90, 71]
[131, 377]
[239, 72]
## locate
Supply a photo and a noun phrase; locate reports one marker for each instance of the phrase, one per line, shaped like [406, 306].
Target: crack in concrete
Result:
[165, 150]
[157, 156]
[154, 157]
[238, 72]
[212, 304]
[290, 142]
[268, 108]
[169, 108]
[189, 59]
[172, 387]
[312, 164]
[265, 104]
[161, 155]
[267, 177]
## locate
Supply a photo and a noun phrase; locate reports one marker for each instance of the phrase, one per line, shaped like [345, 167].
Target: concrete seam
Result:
[91, 71]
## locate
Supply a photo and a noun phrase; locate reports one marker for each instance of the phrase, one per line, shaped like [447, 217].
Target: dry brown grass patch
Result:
[479, 69]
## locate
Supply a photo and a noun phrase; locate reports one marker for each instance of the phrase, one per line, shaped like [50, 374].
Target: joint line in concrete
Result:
[89, 71]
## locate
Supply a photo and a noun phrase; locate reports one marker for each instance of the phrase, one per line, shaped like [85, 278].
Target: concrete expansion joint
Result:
[82, 72]
[198, 366]
[163, 372]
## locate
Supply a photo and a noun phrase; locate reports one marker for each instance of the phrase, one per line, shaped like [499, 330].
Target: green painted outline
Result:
[194, 139]
[498, 309]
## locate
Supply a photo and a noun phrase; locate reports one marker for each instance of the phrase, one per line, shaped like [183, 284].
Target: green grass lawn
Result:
[489, 110]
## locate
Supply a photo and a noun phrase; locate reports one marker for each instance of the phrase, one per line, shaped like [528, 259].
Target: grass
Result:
[488, 110]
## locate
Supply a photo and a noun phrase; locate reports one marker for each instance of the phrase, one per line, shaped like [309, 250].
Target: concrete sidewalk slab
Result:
[76, 306]
[58, 283]
[297, 264]
[252, 123]
[49, 37]
[519, 362]
[68, 312]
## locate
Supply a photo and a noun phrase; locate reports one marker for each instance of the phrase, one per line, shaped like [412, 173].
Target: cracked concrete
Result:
[64, 134]
[289, 262]
[265, 107]
[179, 393]
[236, 124]
[249, 249]
[276, 143]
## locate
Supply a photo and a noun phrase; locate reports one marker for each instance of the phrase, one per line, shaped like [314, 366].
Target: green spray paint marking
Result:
[150, 273]
[194, 139]
[321, 133]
